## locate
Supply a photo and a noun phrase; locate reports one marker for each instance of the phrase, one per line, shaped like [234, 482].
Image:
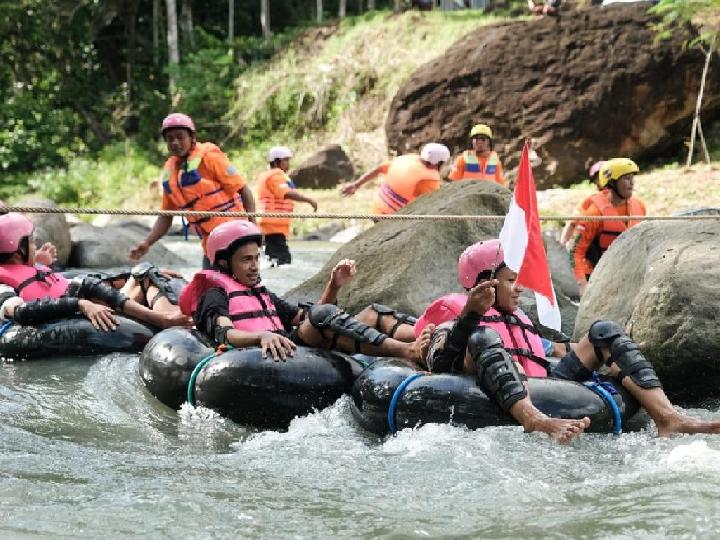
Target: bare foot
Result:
[418, 349]
[679, 423]
[559, 429]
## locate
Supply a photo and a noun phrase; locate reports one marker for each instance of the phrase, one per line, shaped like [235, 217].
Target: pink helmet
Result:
[480, 257]
[178, 120]
[226, 233]
[595, 168]
[13, 228]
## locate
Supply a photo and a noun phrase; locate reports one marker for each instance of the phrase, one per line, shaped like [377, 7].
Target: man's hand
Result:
[279, 346]
[343, 273]
[100, 316]
[481, 297]
[138, 251]
[348, 189]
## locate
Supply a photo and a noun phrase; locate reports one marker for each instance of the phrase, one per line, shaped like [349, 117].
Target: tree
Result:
[342, 8]
[186, 23]
[265, 18]
[172, 39]
[318, 11]
[231, 20]
[704, 15]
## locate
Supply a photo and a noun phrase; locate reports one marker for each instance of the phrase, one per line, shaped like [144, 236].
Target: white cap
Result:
[279, 152]
[434, 153]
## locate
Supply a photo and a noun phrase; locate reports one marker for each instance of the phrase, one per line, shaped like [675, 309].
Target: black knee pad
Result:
[92, 288]
[602, 334]
[158, 279]
[328, 316]
[482, 339]
[401, 318]
[632, 363]
[499, 376]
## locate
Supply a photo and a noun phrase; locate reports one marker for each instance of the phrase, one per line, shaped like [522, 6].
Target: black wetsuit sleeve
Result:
[213, 304]
[286, 310]
[46, 310]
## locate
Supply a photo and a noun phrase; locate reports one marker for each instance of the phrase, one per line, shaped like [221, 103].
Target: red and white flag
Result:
[522, 243]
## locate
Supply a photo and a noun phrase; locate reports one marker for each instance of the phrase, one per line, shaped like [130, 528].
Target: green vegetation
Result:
[323, 85]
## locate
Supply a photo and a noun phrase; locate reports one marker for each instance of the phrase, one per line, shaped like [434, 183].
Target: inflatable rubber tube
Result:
[240, 384]
[456, 399]
[72, 337]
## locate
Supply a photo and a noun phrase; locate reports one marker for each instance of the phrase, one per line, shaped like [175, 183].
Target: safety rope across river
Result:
[396, 217]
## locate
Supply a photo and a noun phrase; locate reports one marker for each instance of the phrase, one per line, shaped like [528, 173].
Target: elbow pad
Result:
[92, 288]
[45, 310]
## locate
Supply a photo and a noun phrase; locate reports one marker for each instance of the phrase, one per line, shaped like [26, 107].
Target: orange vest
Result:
[270, 203]
[474, 170]
[611, 229]
[190, 191]
[400, 184]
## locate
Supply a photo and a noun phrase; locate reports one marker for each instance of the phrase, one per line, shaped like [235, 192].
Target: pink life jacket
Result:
[33, 282]
[251, 308]
[519, 336]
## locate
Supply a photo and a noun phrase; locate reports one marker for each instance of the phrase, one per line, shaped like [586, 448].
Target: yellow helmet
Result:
[614, 169]
[481, 129]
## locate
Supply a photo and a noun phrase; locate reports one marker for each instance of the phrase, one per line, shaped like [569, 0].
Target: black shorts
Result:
[276, 248]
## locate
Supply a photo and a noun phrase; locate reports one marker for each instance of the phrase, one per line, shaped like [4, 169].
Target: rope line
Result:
[397, 217]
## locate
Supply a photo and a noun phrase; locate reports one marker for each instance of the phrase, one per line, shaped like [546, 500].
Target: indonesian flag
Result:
[521, 240]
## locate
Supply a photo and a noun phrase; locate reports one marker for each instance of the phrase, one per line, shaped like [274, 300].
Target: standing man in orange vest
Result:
[196, 176]
[405, 178]
[480, 163]
[592, 238]
[276, 193]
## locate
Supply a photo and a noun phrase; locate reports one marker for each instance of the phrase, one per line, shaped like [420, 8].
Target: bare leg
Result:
[532, 419]
[156, 318]
[387, 324]
[667, 419]
[414, 351]
[559, 429]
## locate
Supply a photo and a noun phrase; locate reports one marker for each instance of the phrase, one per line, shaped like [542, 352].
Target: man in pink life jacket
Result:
[31, 293]
[231, 306]
[486, 334]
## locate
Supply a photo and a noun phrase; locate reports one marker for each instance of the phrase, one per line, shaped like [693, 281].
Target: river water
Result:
[86, 452]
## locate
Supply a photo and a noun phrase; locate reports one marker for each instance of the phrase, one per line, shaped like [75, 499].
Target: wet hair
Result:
[23, 250]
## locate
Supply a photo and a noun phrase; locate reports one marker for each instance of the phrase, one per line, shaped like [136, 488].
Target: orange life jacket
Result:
[270, 203]
[190, 191]
[400, 183]
[474, 169]
[611, 229]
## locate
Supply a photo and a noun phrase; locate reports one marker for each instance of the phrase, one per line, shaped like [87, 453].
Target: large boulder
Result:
[593, 84]
[49, 227]
[103, 247]
[324, 170]
[407, 264]
[665, 278]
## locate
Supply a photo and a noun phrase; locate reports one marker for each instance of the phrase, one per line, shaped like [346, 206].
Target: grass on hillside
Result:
[664, 192]
[338, 89]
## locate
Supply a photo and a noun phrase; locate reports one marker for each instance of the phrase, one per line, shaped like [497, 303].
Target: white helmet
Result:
[279, 152]
[434, 153]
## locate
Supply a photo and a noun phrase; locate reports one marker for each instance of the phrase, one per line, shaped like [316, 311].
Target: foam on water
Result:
[85, 451]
